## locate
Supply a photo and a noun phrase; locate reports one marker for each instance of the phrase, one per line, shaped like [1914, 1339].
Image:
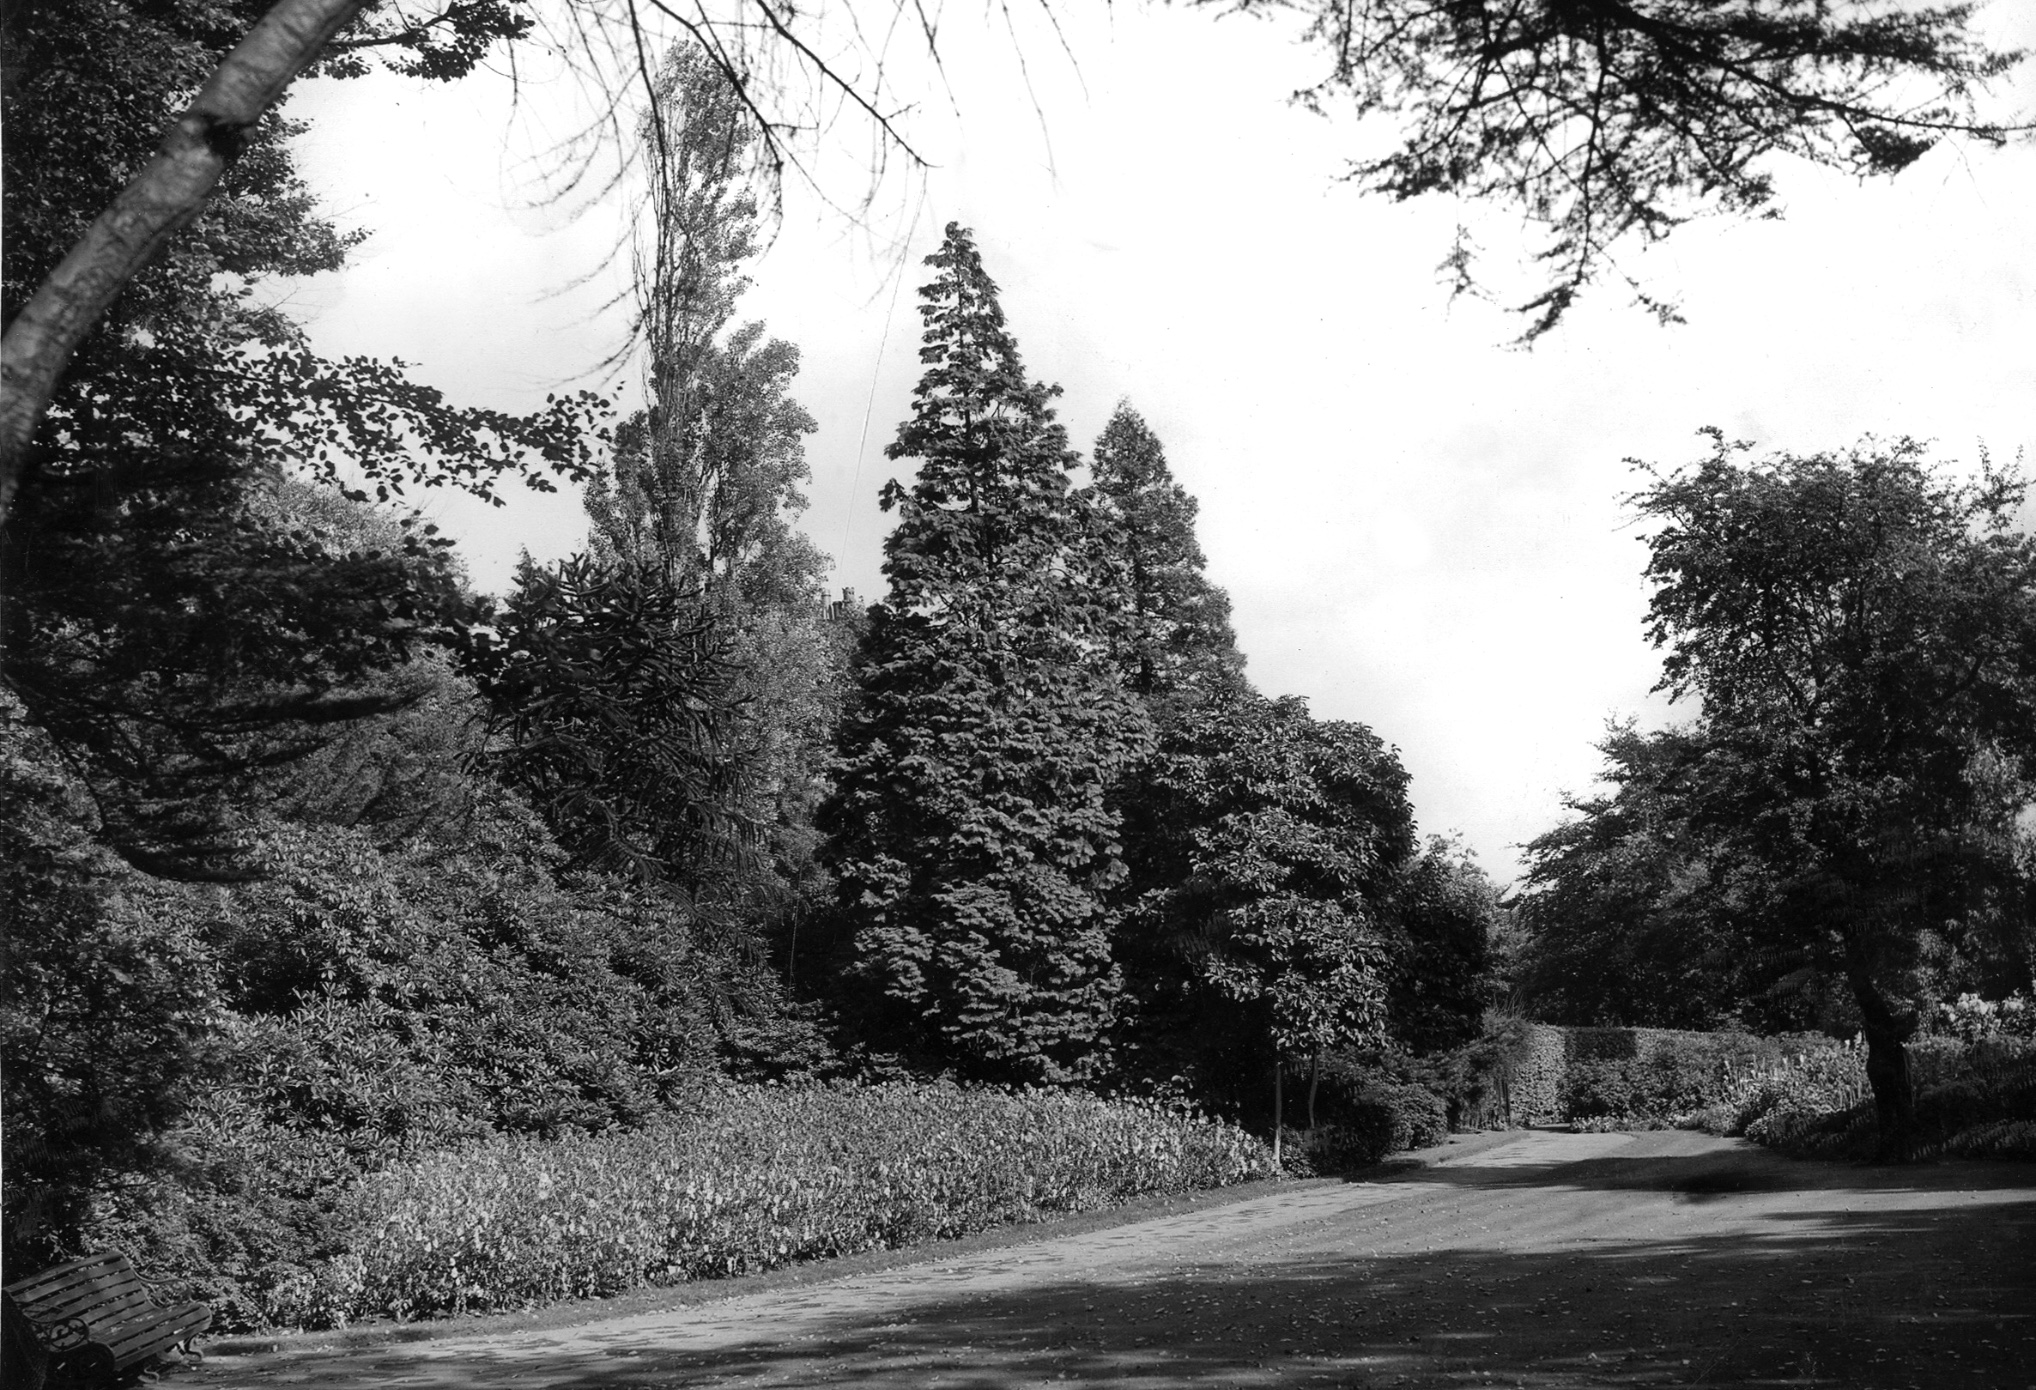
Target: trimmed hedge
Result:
[1627, 1077]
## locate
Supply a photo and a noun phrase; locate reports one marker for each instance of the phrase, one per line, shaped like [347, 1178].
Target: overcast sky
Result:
[1421, 528]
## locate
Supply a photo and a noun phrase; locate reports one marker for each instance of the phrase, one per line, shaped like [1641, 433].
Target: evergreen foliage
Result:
[612, 706]
[189, 637]
[1177, 649]
[971, 834]
[1605, 120]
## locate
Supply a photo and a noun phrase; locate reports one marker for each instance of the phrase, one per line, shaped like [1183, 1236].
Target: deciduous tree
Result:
[1861, 631]
[1443, 923]
[1635, 916]
[1263, 848]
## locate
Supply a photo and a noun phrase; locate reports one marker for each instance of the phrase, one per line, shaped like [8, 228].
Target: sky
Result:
[1421, 526]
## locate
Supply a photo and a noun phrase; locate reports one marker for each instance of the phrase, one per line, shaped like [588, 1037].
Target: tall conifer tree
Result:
[970, 830]
[1177, 650]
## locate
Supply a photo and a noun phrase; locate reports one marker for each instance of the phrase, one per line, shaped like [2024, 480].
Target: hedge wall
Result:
[1562, 1074]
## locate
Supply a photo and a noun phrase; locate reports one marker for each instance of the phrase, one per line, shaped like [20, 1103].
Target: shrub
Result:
[1373, 1116]
[1408, 1116]
[762, 1176]
[1976, 1099]
[1971, 1018]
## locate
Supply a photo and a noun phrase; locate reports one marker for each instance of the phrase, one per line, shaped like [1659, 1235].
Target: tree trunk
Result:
[1314, 1079]
[168, 192]
[1888, 1031]
[1279, 1118]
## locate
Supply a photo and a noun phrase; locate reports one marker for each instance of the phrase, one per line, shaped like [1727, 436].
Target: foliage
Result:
[1473, 1079]
[612, 705]
[201, 1074]
[1632, 916]
[1862, 633]
[183, 614]
[969, 826]
[704, 485]
[1307, 969]
[1446, 917]
[1973, 1099]
[1264, 846]
[1177, 648]
[203, 627]
[1610, 119]
[1366, 1112]
[194, 363]
[758, 1178]
[107, 1003]
[1971, 1018]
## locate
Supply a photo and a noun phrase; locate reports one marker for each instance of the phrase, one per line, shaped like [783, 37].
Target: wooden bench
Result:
[91, 1321]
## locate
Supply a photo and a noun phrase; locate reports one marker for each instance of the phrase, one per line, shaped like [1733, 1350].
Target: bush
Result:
[1976, 1099]
[1400, 1117]
[1971, 1018]
[1370, 1116]
[1475, 1081]
[762, 1176]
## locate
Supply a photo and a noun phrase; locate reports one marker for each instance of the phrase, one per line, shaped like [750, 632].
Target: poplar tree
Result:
[970, 832]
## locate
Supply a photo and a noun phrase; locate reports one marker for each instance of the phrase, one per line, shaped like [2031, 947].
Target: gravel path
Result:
[1530, 1259]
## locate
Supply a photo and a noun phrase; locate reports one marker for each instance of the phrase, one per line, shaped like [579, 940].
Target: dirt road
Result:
[1531, 1259]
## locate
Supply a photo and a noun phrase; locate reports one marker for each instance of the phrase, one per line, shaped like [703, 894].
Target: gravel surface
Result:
[1526, 1259]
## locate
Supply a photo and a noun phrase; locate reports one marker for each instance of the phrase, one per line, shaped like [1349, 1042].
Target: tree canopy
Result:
[1861, 631]
[1600, 119]
[1263, 846]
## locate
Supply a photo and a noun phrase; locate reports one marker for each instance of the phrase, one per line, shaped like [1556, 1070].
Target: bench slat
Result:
[60, 1277]
[147, 1336]
[90, 1304]
[83, 1284]
[103, 1295]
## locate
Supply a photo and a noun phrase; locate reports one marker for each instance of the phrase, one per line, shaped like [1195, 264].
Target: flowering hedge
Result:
[765, 1176]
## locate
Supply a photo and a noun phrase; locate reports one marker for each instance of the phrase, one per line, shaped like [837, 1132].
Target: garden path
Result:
[1537, 1259]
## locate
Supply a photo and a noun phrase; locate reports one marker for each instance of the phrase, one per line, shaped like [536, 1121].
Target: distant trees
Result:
[1636, 917]
[613, 712]
[970, 830]
[666, 698]
[1443, 933]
